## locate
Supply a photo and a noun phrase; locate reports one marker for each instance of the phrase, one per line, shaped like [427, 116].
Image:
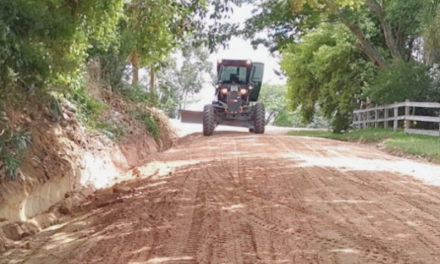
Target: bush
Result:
[13, 146]
[112, 130]
[150, 123]
[403, 81]
[136, 94]
[89, 109]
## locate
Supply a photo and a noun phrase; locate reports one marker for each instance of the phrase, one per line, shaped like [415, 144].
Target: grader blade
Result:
[194, 117]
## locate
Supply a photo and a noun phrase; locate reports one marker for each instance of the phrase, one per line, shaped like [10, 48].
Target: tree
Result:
[274, 99]
[397, 83]
[326, 68]
[176, 84]
[153, 29]
[431, 32]
[47, 40]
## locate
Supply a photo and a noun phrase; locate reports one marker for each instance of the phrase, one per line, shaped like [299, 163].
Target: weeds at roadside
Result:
[13, 146]
[150, 123]
[89, 109]
[112, 130]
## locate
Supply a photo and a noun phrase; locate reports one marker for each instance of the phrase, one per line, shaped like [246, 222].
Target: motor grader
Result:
[236, 98]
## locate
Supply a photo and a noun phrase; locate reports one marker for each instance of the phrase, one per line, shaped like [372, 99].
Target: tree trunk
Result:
[152, 88]
[366, 46]
[185, 99]
[380, 13]
[134, 59]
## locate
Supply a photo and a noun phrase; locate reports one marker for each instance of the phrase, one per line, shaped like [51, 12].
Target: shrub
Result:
[13, 146]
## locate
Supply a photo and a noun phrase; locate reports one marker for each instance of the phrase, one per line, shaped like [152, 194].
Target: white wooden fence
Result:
[382, 116]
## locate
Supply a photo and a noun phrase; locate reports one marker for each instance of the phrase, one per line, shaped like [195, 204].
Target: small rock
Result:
[144, 217]
[25, 234]
[70, 107]
[47, 111]
[136, 172]
[65, 209]
[121, 189]
[34, 163]
[28, 245]
[70, 114]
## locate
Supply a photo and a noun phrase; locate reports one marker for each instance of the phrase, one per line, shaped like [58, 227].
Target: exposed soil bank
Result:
[65, 163]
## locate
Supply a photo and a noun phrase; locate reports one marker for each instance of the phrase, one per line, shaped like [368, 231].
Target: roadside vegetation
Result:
[336, 56]
[398, 142]
[341, 55]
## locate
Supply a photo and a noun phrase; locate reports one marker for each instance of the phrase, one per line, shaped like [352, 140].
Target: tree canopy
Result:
[334, 53]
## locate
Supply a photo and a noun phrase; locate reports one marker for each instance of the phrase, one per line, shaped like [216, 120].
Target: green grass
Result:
[113, 131]
[394, 142]
[150, 123]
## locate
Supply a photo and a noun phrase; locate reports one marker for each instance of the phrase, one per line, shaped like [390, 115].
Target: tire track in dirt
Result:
[358, 211]
[245, 198]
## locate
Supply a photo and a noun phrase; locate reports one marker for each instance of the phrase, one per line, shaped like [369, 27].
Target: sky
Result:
[240, 49]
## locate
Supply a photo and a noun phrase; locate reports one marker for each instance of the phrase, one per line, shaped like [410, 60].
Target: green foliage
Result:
[178, 84]
[281, 24]
[13, 146]
[45, 41]
[89, 109]
[136, 94]
[112, 130]
[274, 99]
[403, 81]
[112, 61]
[288, 119]
[154, 29]
[431, 32]
[326, 68]
[150, 123]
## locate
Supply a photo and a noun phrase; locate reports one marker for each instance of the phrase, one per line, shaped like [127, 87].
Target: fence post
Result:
[385, 116]
[407, 122]
[396, 113]
[376, 117]
[368, 119]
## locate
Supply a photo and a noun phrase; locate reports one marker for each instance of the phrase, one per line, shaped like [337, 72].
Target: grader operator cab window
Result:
[229, 72]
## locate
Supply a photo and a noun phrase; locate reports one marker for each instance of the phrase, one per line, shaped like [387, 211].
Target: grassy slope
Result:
[394, 142]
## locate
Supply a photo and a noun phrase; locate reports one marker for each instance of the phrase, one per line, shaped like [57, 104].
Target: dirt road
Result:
[245, 198]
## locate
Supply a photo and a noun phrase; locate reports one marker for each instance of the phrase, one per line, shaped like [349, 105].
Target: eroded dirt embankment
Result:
[246, 198]
[65, 163]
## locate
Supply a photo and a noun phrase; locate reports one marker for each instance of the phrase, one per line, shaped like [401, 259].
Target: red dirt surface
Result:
[245, 198]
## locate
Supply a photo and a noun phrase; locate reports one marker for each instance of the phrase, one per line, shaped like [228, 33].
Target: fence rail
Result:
[382, 116]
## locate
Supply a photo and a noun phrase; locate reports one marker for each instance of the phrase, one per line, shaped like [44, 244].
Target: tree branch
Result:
[366, 46]
[380, 13]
